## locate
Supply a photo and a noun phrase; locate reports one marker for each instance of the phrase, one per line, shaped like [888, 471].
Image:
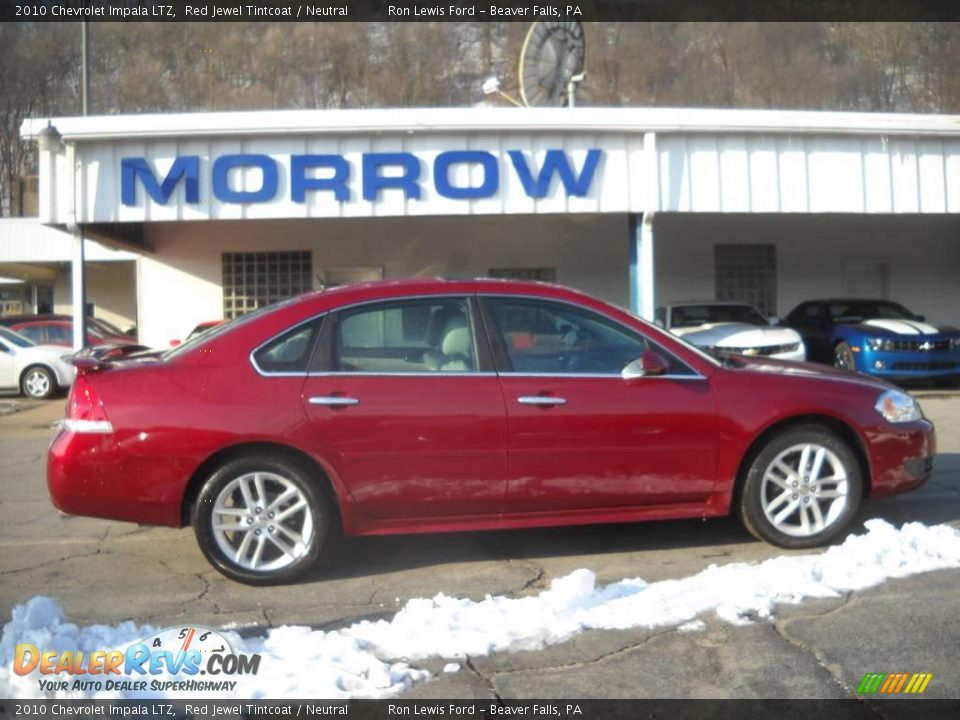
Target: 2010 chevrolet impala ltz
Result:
[432, 405]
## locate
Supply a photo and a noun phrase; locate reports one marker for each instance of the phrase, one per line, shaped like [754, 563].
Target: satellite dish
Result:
[551, 59]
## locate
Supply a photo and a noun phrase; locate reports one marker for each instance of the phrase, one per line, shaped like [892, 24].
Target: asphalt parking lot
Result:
[106, 572]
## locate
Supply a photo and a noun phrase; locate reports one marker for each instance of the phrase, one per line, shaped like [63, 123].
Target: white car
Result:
[38, 371]
[730, 327]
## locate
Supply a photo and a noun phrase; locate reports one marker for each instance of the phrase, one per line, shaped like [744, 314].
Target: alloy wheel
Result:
[262, 521]
[37, 383]
[804, 490]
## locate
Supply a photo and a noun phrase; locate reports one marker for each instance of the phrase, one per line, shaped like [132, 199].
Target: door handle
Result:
[333, 400]
[540, 400]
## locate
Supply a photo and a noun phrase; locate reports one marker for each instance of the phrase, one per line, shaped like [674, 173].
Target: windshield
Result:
[693, 315]
[868, 310]
[15, 338]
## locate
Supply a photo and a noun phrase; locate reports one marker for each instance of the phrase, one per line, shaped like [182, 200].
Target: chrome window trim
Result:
[669, 376]
[264, 373]
[695, 376]
[427, 296]
[429, 373]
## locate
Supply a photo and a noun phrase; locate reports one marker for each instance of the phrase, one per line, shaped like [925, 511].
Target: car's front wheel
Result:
[262, 520]
[802, 489]
[38, 383]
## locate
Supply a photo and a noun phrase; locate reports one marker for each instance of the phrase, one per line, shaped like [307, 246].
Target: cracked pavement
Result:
[107, 572]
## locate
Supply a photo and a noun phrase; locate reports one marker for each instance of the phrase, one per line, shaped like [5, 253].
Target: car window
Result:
[59, 333]
[543, 337]
[32, 332]
[13, 338]
[419, 336]
[291, 351]
[693, 315]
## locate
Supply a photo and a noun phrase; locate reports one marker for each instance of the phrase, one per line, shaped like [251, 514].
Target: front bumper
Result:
[912, 364]
[901, 457]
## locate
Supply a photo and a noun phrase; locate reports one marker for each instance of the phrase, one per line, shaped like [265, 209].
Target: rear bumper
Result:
[87, 474]
[901, 458]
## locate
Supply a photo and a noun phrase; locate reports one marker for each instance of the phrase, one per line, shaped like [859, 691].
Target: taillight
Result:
[85, 413]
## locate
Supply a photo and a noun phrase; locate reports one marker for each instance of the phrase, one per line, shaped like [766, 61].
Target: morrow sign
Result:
[310, 173]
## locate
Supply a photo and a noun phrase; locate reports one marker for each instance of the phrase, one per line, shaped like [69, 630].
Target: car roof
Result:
[7, 319]
[849, 300]
[438, 285]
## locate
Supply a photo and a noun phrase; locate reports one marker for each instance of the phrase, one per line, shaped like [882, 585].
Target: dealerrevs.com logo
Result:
[170, 661]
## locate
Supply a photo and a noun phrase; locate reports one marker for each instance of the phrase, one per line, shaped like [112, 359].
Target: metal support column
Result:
[78, 287]
[642, 287]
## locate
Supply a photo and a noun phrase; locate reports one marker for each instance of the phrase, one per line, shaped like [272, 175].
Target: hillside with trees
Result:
[181, 67]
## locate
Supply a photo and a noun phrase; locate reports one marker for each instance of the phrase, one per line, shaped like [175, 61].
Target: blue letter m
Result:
[555, 162]
[186, 168]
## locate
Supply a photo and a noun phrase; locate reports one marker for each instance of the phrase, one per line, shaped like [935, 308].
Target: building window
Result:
[254, 280]
[747, 273]
[543, 274]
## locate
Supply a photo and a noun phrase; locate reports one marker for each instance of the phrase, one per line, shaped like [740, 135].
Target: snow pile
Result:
[370, 659]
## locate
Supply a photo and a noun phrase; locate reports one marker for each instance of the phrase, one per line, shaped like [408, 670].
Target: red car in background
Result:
[58, 330]
[430, 406]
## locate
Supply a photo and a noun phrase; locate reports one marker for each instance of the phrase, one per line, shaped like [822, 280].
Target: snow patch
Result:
[692, 626]
[372, 659]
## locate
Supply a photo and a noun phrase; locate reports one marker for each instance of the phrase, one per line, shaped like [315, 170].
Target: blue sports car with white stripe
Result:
[877, 337]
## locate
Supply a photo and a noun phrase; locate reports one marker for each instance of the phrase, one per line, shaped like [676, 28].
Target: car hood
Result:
[904, 328]
[784, 368]
[738, 335]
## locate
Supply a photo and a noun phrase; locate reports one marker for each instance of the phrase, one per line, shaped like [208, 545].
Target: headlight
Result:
[955, 343]
[898, 407]
[876, 344]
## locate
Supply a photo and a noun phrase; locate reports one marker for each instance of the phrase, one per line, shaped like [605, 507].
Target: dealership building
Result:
[205, 216]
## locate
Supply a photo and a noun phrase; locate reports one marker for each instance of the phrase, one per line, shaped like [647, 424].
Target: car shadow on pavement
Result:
[936, 502]
[367, 556]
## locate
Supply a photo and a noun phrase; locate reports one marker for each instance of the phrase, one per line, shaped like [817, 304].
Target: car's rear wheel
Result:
[38, 383]
[802, 489]
[262, 520]
[843, 357]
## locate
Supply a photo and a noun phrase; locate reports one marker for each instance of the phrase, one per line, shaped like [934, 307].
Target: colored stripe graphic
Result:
[870, 683]
[894, 683]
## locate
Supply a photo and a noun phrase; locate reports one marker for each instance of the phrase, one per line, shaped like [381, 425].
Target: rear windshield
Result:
[226, 327]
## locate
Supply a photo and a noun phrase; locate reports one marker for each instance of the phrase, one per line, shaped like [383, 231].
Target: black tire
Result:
[38, 383]
[755, 493]
[843, 357]
[323, 519]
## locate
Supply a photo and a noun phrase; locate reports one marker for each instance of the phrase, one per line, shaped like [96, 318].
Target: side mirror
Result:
[774, 319]
[650, 364]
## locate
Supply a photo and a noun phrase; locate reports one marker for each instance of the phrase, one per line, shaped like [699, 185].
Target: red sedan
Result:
[430, 406]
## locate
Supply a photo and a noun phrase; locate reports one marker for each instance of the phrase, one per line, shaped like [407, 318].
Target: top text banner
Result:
[472, 10]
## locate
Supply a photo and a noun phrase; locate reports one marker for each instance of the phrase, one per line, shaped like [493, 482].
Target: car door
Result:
[407, 408]
[8, 365]
[581, 436]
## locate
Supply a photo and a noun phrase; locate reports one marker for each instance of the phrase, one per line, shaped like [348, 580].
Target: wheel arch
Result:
[39, 364]
[830, 422]
[307, 463]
